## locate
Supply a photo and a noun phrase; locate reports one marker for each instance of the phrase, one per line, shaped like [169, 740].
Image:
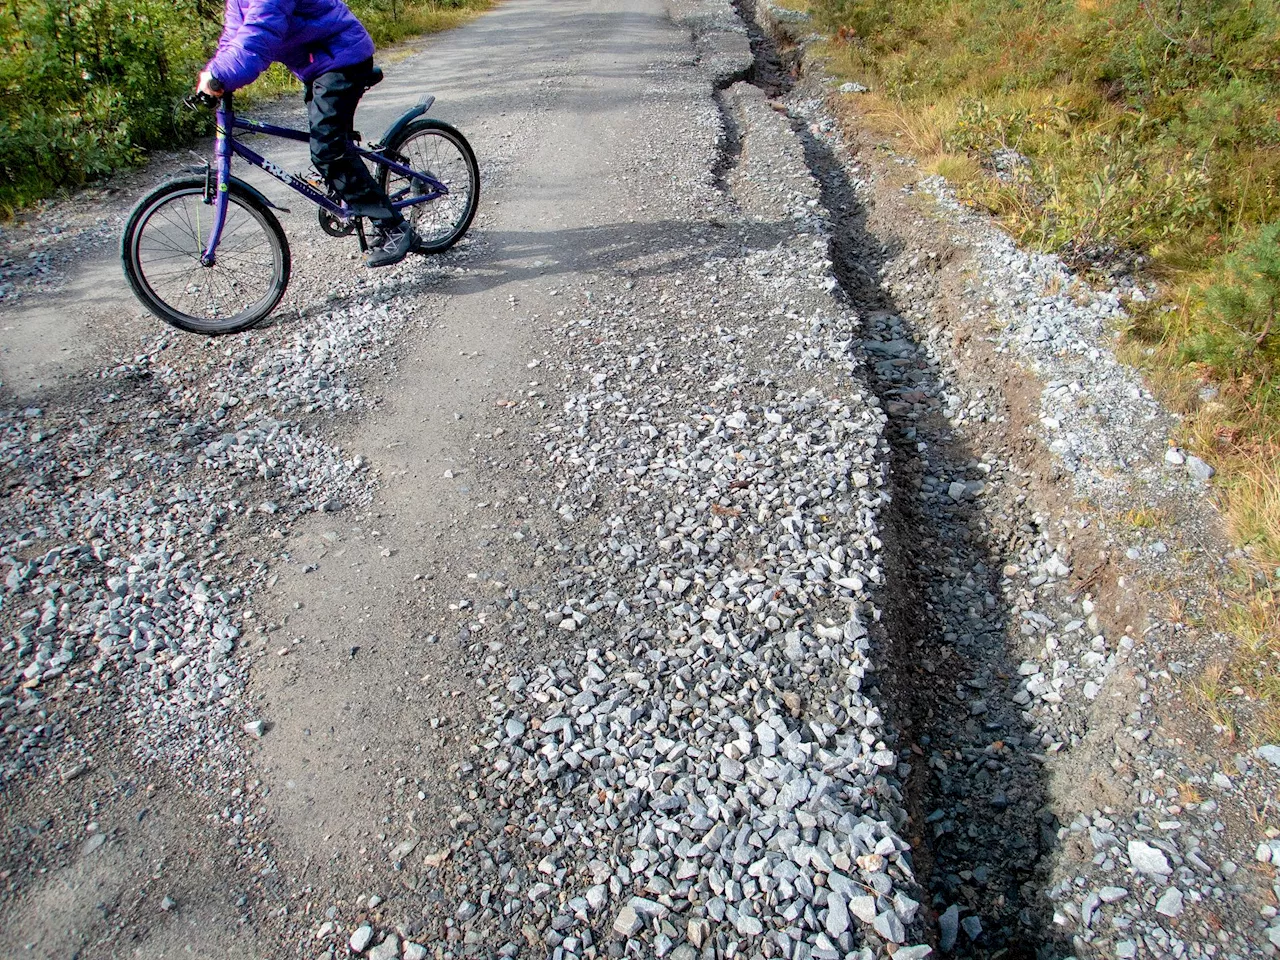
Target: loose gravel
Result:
[792, 655]
[125, 518]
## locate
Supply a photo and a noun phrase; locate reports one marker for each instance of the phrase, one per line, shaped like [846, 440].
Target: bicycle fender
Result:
[393, 131]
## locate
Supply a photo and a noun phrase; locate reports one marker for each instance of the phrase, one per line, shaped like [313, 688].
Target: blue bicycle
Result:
[205, 253]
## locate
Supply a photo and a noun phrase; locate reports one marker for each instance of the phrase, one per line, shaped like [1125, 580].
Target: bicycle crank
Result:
[335, 227]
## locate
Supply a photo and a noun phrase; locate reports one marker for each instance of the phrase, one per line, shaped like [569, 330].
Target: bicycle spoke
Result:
[182, 226]
[163, 241]
[220, 290]
[159, 275]
[254, 241]
[191, 227]
[179, 255]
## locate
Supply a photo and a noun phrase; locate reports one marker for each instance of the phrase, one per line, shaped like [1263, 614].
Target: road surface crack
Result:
[981, 829]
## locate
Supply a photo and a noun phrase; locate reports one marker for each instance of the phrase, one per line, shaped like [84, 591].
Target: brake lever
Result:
[198, 100]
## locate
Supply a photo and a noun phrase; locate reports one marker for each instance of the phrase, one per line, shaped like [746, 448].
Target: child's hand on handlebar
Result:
[209, 85]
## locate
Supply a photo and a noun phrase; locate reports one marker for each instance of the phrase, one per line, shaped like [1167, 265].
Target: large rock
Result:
[1171, 903]
[1148, 860]
[361, 938]
[627, 923]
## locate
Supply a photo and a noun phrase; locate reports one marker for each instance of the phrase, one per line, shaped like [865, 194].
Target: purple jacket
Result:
[310, 37]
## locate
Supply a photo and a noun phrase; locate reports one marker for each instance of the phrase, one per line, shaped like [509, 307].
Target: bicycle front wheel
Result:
[165, 238]
[441, 152]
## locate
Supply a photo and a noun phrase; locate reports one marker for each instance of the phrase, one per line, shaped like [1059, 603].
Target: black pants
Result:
[331, 108]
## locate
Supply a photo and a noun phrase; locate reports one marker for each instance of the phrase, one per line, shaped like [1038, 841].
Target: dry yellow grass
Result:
[1188, 793]
[1144, 518]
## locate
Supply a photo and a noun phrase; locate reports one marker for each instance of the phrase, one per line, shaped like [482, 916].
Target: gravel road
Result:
[644, 577]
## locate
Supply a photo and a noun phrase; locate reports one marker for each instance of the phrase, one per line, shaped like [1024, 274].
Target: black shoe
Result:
[390, 245]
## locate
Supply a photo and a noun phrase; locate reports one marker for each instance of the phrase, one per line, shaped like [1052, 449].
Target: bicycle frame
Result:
[226, 146]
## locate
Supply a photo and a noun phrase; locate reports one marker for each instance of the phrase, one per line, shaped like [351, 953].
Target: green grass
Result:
[86, 88]
[1151, 128]
[1240, 690]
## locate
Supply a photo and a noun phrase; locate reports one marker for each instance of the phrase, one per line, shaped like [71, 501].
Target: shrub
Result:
[1243, 307]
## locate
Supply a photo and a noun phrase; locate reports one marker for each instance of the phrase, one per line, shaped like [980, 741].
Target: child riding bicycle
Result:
[323, 44]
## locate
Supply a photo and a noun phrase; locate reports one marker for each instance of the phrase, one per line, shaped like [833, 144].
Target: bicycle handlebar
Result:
[197, 100]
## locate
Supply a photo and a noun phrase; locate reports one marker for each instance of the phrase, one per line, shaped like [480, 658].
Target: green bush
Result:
[84, 87]
[1244, 307]
[1147, 128]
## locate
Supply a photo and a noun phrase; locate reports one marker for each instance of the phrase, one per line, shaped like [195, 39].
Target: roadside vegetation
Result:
[88, 86]
[1129, 136]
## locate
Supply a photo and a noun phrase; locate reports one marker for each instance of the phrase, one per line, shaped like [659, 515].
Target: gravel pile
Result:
[1157, 874]
[31, 255]
[753, 496]
[1153, 873]
[1099, 419]
[707, 764]
[121, 519]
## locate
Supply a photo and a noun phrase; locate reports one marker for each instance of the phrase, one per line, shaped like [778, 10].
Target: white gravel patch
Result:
[120, 562]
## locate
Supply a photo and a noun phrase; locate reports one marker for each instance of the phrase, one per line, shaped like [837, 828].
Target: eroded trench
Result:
[983, 832]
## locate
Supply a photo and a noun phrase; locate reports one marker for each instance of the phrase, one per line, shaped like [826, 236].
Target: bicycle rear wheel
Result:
[438, 150]
[163, 243]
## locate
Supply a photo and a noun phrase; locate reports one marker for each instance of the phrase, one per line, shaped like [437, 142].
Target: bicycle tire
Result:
[183, 240]
[410, 148]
